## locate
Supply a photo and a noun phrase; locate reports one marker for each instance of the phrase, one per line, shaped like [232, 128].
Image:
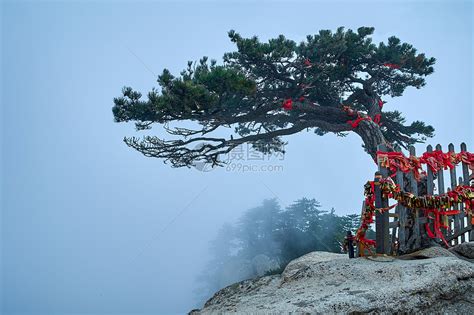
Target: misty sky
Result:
[92, 226]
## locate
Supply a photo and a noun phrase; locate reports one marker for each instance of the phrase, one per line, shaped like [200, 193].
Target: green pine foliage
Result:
[246, 90]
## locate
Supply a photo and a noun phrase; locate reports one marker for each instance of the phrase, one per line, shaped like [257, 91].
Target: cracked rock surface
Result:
[465, 250]
[322, 282]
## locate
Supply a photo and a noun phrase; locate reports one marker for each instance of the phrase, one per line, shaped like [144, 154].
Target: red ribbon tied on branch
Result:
[392, 65]
[377, 118]
[288, 104]
[355, 123]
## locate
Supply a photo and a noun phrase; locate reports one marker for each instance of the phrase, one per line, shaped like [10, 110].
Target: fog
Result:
[89, 225]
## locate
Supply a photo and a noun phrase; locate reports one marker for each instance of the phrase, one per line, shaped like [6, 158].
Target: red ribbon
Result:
[460, 194]
[288, 104]
[391, 65]
[377, 118]
[436, 160]
[437, 225]
[355, 123]
[380, 103]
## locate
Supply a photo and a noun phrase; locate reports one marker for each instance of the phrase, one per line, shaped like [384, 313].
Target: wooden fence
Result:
[402, 230]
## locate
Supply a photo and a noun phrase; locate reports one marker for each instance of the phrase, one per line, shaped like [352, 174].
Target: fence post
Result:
[415, 240]
[452, 175]
[430, 180]
[429, 192]
[402, 214]
[465, 174]
[465, 167]
[381, 219]
[440, 176]
[462, 225]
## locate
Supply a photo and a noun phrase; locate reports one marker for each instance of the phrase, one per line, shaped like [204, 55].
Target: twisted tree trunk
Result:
[371, 136]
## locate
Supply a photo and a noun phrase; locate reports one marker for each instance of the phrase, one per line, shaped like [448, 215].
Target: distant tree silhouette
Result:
[265, 238]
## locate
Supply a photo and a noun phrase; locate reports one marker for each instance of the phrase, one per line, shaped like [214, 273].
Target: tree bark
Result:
[371, 136]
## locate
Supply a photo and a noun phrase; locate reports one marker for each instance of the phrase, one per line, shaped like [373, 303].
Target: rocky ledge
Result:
[431, 281]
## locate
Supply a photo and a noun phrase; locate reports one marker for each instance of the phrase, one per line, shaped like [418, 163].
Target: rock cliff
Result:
[430, 281]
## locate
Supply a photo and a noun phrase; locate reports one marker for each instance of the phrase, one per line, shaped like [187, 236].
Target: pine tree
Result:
[256, 229]
[333, 82]
[301, 229]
